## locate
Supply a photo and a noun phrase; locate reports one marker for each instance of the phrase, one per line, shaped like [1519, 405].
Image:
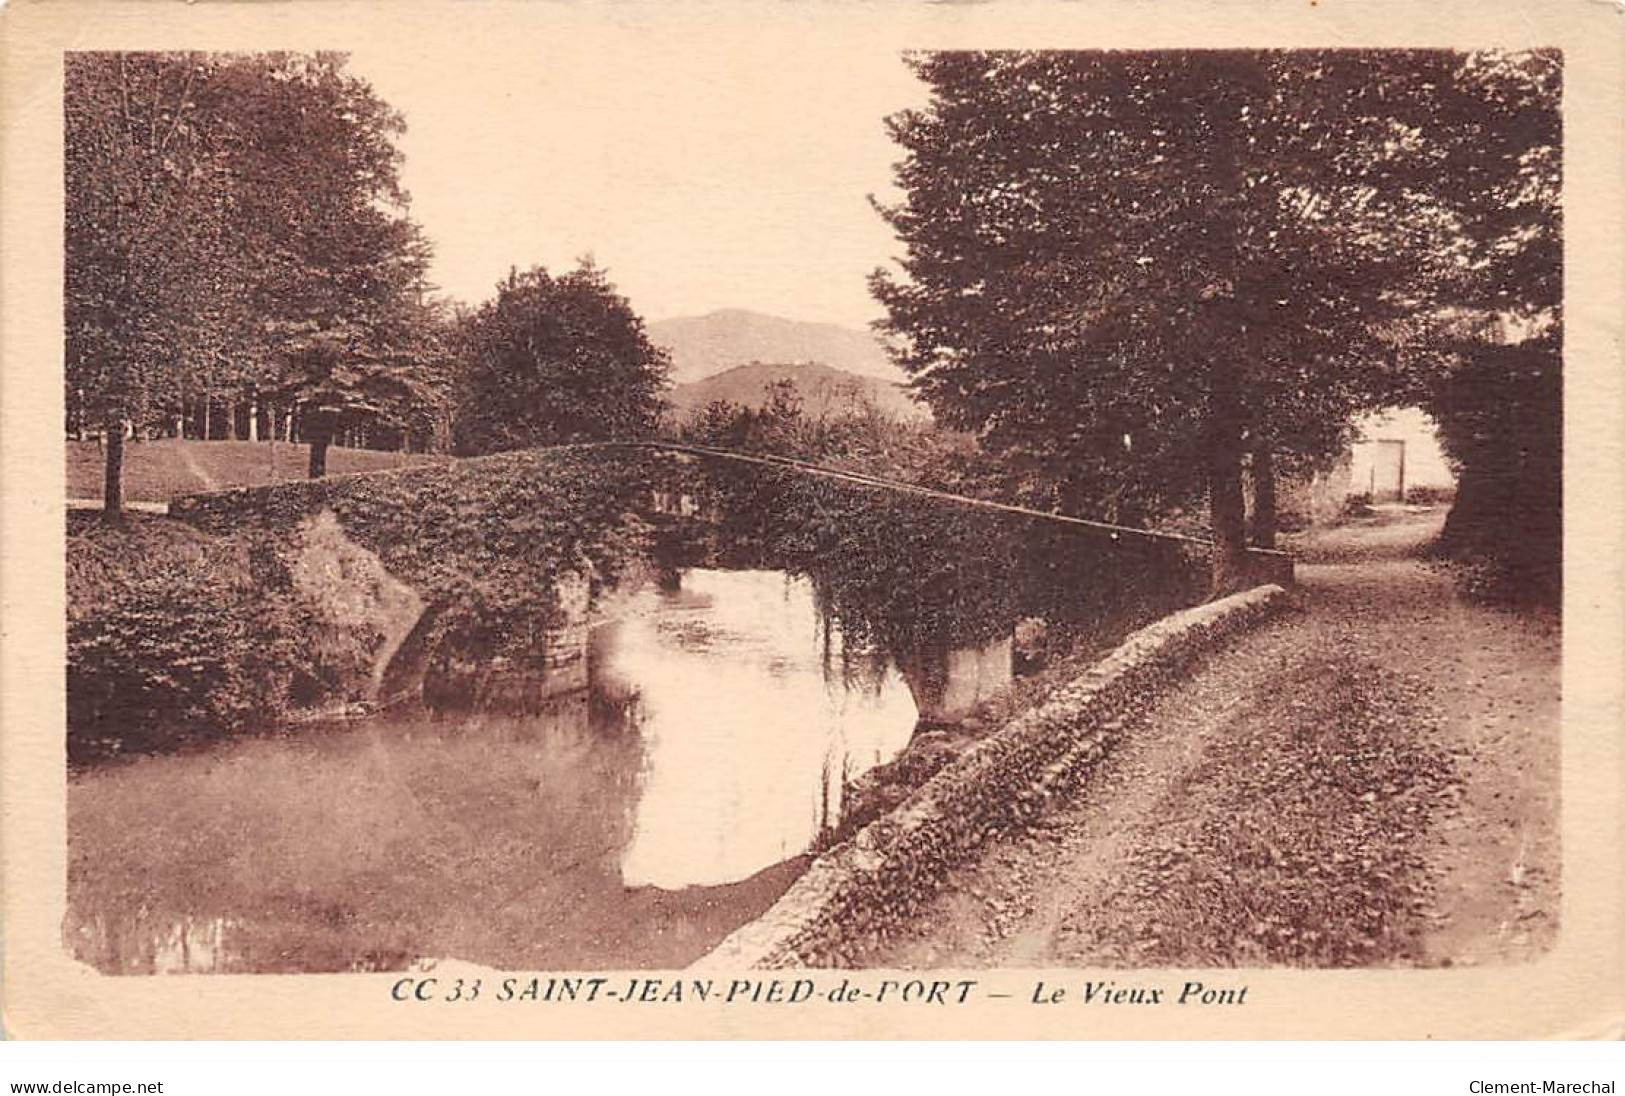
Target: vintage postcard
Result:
[747, 520]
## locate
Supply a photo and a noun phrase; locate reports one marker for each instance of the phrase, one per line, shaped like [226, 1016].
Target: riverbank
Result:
[1371, 780]
[204, 627]
[858, 892]
[244, 608]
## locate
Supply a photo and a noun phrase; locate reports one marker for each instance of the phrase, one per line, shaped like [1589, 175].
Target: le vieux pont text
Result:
[596, 990]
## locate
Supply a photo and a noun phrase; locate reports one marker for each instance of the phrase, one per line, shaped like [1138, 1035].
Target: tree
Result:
[1490, 352]
[336, 318]
[236, 227]
[340, 375]
[556, 359]
[143, 227]
[1125, 271]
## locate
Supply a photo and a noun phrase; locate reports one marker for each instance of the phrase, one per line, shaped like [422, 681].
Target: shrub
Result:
[1429, 495]
[482, 540]
[176, 637]
[169, 653]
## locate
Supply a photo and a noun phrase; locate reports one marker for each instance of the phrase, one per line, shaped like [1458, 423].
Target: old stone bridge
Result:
[945, 600]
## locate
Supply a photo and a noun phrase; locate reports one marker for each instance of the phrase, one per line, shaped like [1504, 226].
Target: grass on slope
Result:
[157, 471]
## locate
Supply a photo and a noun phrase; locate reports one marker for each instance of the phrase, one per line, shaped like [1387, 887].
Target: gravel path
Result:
[1370, 779]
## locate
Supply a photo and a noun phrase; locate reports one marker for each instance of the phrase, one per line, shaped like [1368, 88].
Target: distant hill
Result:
[823, 390]
[702, 346]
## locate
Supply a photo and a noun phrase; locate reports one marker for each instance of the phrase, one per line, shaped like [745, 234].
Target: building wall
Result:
[1371, 462]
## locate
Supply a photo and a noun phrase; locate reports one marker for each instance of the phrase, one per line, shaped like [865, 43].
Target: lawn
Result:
[157, 471]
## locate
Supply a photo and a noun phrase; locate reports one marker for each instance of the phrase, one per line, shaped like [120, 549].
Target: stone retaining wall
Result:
[854, 892]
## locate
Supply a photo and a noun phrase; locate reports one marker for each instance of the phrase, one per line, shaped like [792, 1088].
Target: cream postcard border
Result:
[1578, 990]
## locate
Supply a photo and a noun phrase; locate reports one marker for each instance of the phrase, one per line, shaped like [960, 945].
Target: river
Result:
[631, 820]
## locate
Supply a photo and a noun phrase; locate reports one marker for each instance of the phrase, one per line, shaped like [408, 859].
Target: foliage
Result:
[176, 637]
[338, 294]
[556, 359]
[178, 634]
[863, 437]
[483, 541]
[144, 222]
[915, 573]
[907, 568]
[1124, 270]
[235, 224]
[1494, 348]
[1427, 494]
[181, 629]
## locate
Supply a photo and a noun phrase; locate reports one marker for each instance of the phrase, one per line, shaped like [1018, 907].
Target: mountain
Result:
[702, 346]
[823, 390]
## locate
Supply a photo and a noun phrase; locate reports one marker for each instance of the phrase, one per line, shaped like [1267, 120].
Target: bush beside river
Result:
[177, 636]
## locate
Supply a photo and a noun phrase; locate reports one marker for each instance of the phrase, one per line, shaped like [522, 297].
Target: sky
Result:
[701, 174]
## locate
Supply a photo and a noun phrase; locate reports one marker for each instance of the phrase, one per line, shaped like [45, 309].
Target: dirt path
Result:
[195, 467]
[1370, 779]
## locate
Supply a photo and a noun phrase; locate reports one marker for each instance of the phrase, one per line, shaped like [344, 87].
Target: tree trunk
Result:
[207, 425]
[1263, 496]
[231, 420]
[113, 471]
[1226, 501]
[320, 435]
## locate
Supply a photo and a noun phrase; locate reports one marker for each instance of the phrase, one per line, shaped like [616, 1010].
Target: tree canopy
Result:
[554, 359]
[144, 226]
[1491, 352]
[1126, 271]
[235, 223]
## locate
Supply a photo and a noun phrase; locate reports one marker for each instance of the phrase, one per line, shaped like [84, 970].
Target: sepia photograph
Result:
[835, 532]
[970, 509]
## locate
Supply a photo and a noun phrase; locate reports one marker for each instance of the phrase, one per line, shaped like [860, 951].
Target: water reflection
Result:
[141, 945]
[731, 672]
[630, 823]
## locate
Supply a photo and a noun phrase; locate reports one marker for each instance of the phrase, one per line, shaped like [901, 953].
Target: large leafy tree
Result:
[556, 359]
[1491, 350]
[1129, 271]
[144, 228]
[236, 225]
[338, 323]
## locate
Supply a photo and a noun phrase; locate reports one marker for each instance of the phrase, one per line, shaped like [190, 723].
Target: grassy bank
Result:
[157, 471]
